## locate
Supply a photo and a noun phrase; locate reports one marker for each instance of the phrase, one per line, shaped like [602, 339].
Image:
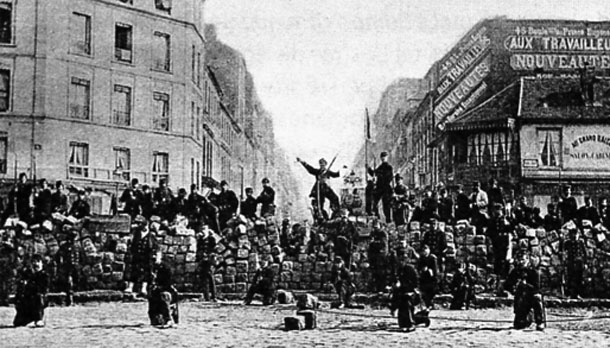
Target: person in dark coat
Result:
[462, 288]
[205, 255]
[604, 212]
[163, 299]
[568, 206]
[266, 199]
[321, 188]
[163, 199]
[500, 231]
[132, 198]
[524, 282]
[9, 261]
[68, 260]
[263, 283]
[384, 175]
[405, 293]
[30, 299]
[143, 250]
[436, 240]
[552, 220]
[427, 267]
[445, 207]
[20, 200]
[575, 261]
[429, 207]
[248, 205]
[59, 200]
[378, 257]
[43, 202]
[147, 203]
[401, 207]
[194, 201]
[523, 213]
[462, 205]
[227, 204]
[494, 195]
[341, 278]
[180, 205]
[588, 212]
[80, 208]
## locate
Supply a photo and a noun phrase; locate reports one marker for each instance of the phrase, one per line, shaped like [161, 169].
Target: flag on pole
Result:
[368, 124]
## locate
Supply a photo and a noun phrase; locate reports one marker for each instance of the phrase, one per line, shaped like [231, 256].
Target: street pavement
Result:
[116, 324]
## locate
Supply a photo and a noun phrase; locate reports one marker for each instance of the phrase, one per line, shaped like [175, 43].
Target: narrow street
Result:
[233, 325]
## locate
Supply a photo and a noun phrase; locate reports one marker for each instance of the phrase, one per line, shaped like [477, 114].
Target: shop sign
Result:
[557, 48]
[588, 148]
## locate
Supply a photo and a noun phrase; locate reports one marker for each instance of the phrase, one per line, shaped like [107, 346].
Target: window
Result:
[123, 42]
[161, 115]
[121, 105]
[164, 5]
[193, 68]
[79, 98]
[198, 124]
[160, 168]
[80, 34]
[78, 162]
[550, 147]
[6, 22]
[5, 84]
[161, 51]
[199, 69]
[122, 162]
[3, 152]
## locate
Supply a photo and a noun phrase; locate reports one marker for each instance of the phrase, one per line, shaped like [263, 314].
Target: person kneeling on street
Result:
[405, 295]
[264, 284]
[341, 278]
[163, 299]
[523, 281]
[32, 288]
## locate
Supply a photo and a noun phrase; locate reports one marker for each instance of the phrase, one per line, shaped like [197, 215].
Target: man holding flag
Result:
[321, 190]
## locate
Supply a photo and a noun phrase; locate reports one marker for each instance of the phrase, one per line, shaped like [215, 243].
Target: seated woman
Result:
[32, 288]
[163, 299]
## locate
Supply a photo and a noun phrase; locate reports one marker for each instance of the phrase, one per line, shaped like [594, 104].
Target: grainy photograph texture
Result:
[304, 173]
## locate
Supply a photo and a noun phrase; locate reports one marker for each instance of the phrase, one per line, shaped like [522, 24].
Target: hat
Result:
[81, 191]
[155, 218]
[383, 154]
[338, 259]
[265, 181]
[322, 161]
[140, 219]
[224, 182]
[398, 177]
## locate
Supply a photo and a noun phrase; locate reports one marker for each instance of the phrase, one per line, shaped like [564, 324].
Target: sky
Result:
[318, 63]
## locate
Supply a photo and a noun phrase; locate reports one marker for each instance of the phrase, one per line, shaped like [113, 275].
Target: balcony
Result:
[121, 118]
[106, 175]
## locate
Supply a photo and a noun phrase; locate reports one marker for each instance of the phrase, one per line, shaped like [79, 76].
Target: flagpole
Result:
[366, 143]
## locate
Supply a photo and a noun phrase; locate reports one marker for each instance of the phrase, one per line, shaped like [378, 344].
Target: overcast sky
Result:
[318, 63]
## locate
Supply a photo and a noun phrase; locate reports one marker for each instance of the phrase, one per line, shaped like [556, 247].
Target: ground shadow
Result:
[106, 326]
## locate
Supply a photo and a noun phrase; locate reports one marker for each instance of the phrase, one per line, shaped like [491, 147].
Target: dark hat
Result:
[249, 189]
[182, 191]
[397, 177]
[322, 160]
[58, 183]
[265, 181]
[224, 182]
[193, 186]
[140, 219]
[338, 259]
[383, 154]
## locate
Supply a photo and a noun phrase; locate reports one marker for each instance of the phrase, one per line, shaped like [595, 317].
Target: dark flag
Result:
[368, 125]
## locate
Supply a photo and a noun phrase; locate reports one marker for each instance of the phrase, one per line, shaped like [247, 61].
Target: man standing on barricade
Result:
[401, 209]
[80, 208]
[227, 204]
[248, 205]
[321, 190]
[462, 205]
[588, 212]
[436, 240]
[384, 175]
[144, 247]
[132, 198]
[479, 204]
[43, 202]
[163, 199]
[20, 200]
[495, 195]
[267, 199]
[568, 206]
[575, 255]
[445, 207]
[59, 200]
[524, 282]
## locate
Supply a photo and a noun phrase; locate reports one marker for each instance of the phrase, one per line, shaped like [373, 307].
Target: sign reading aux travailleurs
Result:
[556, 48]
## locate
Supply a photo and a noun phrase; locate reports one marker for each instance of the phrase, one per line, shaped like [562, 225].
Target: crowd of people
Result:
[33, 209]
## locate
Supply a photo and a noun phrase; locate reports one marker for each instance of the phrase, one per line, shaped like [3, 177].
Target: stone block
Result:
[241, 278]
[97, 269]
[243, 253]
[218, 278]
[190, 267]
[220, 248]
[118, 266]
[230, 270]
[286, 276]
[242, 266]
[228, 279]
[241, 287]
[190, 257]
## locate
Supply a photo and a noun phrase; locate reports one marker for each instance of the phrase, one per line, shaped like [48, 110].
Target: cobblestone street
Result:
[231, 325]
